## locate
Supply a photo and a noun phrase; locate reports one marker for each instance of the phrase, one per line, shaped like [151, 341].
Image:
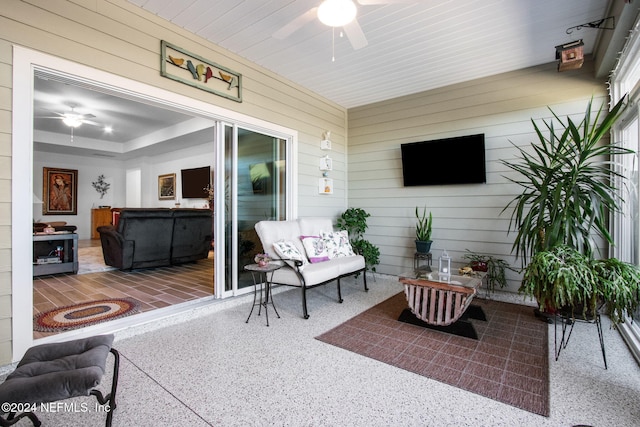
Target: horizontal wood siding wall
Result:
[120, 38]
[465, 216]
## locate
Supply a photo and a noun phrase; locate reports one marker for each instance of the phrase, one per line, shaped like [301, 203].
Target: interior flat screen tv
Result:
[458, 160]
[194, 181]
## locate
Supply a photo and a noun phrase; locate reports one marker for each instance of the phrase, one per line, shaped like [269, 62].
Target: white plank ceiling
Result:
[412, 45]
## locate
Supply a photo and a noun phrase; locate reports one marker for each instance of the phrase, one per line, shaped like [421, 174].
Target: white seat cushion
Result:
[321, 272]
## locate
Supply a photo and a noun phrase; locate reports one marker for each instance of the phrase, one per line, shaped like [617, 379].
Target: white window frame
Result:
[625, 80]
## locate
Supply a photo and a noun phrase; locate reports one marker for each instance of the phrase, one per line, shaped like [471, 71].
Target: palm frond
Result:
[566, 183]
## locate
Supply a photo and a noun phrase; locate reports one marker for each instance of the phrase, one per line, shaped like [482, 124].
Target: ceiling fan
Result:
[72, 118]
[336, 13]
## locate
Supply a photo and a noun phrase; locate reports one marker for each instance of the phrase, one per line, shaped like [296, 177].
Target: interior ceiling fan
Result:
[336, 13]
[72, 118]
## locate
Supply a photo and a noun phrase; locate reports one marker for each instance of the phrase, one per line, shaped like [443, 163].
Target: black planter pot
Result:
[423, 247]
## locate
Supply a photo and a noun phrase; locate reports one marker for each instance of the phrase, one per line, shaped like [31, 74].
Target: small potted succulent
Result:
[423, 231]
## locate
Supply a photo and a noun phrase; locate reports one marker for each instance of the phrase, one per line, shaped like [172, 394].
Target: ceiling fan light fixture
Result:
[337, 13]
[72, 120]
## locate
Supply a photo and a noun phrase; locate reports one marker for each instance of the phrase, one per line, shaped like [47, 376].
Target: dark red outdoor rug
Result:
[508, 362]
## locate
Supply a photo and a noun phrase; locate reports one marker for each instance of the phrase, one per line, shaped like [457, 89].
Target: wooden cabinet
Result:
[101, 216]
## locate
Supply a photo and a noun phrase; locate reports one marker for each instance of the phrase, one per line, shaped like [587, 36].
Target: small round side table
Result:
[261, 277]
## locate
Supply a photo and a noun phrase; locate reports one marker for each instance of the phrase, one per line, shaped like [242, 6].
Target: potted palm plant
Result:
[567, 190]
[567, 193]
[423, 231]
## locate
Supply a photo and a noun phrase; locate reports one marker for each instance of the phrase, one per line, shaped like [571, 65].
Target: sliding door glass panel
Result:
[229, 154]
[261, 192]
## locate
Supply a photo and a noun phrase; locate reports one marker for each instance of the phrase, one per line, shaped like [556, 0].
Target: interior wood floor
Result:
[153, 287]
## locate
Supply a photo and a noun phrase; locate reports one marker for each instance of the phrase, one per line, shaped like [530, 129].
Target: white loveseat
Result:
[303, 273]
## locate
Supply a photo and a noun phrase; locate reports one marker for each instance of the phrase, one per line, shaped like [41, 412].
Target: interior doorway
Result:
[25, 63]
[129, 143]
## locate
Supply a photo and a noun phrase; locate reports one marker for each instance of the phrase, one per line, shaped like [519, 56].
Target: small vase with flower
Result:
[262, 259]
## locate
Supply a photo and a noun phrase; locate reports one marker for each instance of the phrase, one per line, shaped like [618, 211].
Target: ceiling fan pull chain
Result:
[333, 44]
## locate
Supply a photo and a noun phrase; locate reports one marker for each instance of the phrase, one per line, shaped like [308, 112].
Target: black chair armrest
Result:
[293, 263]
[113, 246]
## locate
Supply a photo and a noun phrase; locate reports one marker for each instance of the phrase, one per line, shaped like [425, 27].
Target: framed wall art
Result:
[167, 186]
[59, 191]
[185, 67]
[325, 186]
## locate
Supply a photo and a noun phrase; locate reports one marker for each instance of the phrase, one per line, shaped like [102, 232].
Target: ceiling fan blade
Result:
[296, 24]
[69, 113]
[89, 122]
[356, 36]
[57, 114]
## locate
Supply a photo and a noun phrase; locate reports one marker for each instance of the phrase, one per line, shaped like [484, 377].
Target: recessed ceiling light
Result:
[108, 129]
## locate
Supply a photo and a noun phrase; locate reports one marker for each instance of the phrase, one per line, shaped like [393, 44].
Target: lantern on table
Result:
[444, 266]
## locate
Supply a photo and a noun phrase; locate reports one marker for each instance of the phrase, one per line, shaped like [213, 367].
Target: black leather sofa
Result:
[156, 237]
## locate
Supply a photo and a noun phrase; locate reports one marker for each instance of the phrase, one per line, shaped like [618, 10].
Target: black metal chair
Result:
[57, 371]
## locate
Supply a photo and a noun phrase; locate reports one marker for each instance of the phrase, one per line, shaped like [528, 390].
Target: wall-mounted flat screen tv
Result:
[458, 160]
[194, 181]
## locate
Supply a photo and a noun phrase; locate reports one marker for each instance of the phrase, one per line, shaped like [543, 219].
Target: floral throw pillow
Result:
[337, 244]
[288, 251]
[315, 248]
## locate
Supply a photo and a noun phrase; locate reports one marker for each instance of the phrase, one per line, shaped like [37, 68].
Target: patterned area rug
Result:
[85, 314]
[508, 362]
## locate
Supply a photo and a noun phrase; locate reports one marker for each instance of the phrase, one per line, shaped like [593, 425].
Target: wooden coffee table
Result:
[442, 304]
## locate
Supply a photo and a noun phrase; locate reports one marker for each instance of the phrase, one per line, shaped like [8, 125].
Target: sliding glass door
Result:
[256, 188]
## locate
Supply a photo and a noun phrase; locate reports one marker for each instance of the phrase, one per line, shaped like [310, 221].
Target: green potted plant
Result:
[567, 193]
[559, 277]
[423, 231]
[567, 186]
[618, 286]
[354, 221]
[563, 279]
[494, 267]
